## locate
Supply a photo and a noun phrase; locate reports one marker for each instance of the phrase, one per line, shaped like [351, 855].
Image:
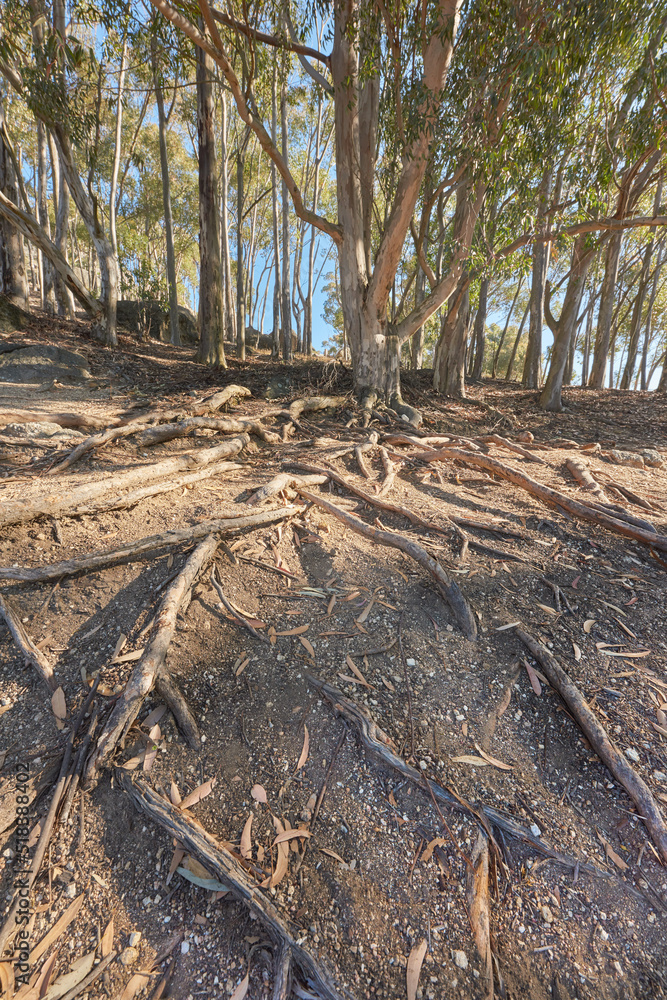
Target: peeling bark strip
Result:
[549, 495]
[132, 551]
[144, 675]
[448, 589]
[215, 857]
[597, 736]
[31, 653]
[62, 502]
[377, 744]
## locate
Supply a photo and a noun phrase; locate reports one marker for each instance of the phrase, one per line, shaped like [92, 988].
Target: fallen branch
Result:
[377, 744]
[125, 500]
[95, 441]
[478, 908]
[218, 399]
[72, 497]
[32, 655]
[449, 590]
[550, 496]
[224, 866]
[312, 403]
[26, 882]
[152, 662]
[510, 446]
[596, 735]
[583, 476]
[133, 551]
[239, 619]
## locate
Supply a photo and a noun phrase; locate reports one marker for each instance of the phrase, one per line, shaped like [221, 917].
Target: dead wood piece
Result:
[223, 425]
[283, 481]
[596, 735]
[218, 399]
[143, 677]
[376, 742]
[32, 655]
[391, 471]
[26, 882]
[313, 403]
[583, 476]
[61, 502]
[550, 496]
[478, 907]
[623, 515]
[449, 590]
[282, 986]
[510, 446]
[64, 419]
[132, 551]
[224, 866]
[239, 619]
[169, 691]
[91, 443]
[125, 500]
[628, 494]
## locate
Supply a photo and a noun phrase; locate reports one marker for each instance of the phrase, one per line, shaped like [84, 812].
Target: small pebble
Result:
[129, 956]
[460, 959]
[185, 947]
[535, 830]
[410, 662]
[135, 938]
[632, 754]
[547, 915]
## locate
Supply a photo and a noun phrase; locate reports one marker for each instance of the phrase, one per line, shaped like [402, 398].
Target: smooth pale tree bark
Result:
[480, 330]
[637, 312]
[274, 211]
[48, 293]
[541, 252]
[113, 186]
[211, 317]
[517, 341]
[230, 321]
[450, 352]
[564, 329]
[505, 328]
[166, 200]
[240, 278]
[286, 307]
[648, 330]
[606, 311]
[13, 282]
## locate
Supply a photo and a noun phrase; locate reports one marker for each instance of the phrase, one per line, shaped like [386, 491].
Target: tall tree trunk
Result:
[480, 330]
[637, 312]
[13, 283]
[564, 329]
[648, 330]
[606, 311]
[240, 279]
[277, 326]
[515, 346]
[449, 363]
[499, 348]
[308, 306]
[211, 318]
[117, 145]
[417, 345]
[286, 303]
[531, 368]
[48, 294]
[230, 321]
[166, 201]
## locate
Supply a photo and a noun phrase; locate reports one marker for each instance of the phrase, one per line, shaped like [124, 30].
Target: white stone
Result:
[460, 959]
[185, 947]
[129, 956]
[135, 938]
[632, 754]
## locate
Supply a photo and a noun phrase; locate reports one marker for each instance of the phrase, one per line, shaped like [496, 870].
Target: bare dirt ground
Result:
[369, 885]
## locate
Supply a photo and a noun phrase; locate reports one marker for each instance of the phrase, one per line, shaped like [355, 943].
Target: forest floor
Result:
[383, 877]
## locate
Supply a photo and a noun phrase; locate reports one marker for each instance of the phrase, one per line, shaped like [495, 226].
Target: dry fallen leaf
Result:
[282, 861]
[304, 752]
[415, 960]
[611, 853]
[577, 651]
[241, 990]
[308, 647]
[332, 854]
[6, 978]
[493, 760]
[106, 943]
[197, 794]
[246, 839]
[290, 835]
[58, 928]
[387, 683]
[365, 613]
[136, 983]
[258, 794]
[356, 671]
[588, 624]
[299, 630]
[58, 704]
[467, 758]
[174, 794]
[272, 635]
[547, 609]
[428, 850]
[534, 681]
[78, 971]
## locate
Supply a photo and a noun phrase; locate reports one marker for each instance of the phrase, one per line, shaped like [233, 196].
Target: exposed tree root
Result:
[31, 653]
[152, 662]
[72, 497]
[377, 744]
[284, 481]
[63, 419]
[132, 551]
[215, 857]
[310, 404]
[550, 496]
[239, 619]
[223, 425]
[510, 446]
[448, 589]
[478, 907]
[218, 399]
[583, 476]
[125, 500]
[597, 736]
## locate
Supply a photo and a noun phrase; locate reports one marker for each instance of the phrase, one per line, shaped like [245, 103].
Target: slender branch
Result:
[278, 43]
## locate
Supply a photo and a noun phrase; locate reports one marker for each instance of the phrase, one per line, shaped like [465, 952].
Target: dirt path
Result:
[360, 894]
